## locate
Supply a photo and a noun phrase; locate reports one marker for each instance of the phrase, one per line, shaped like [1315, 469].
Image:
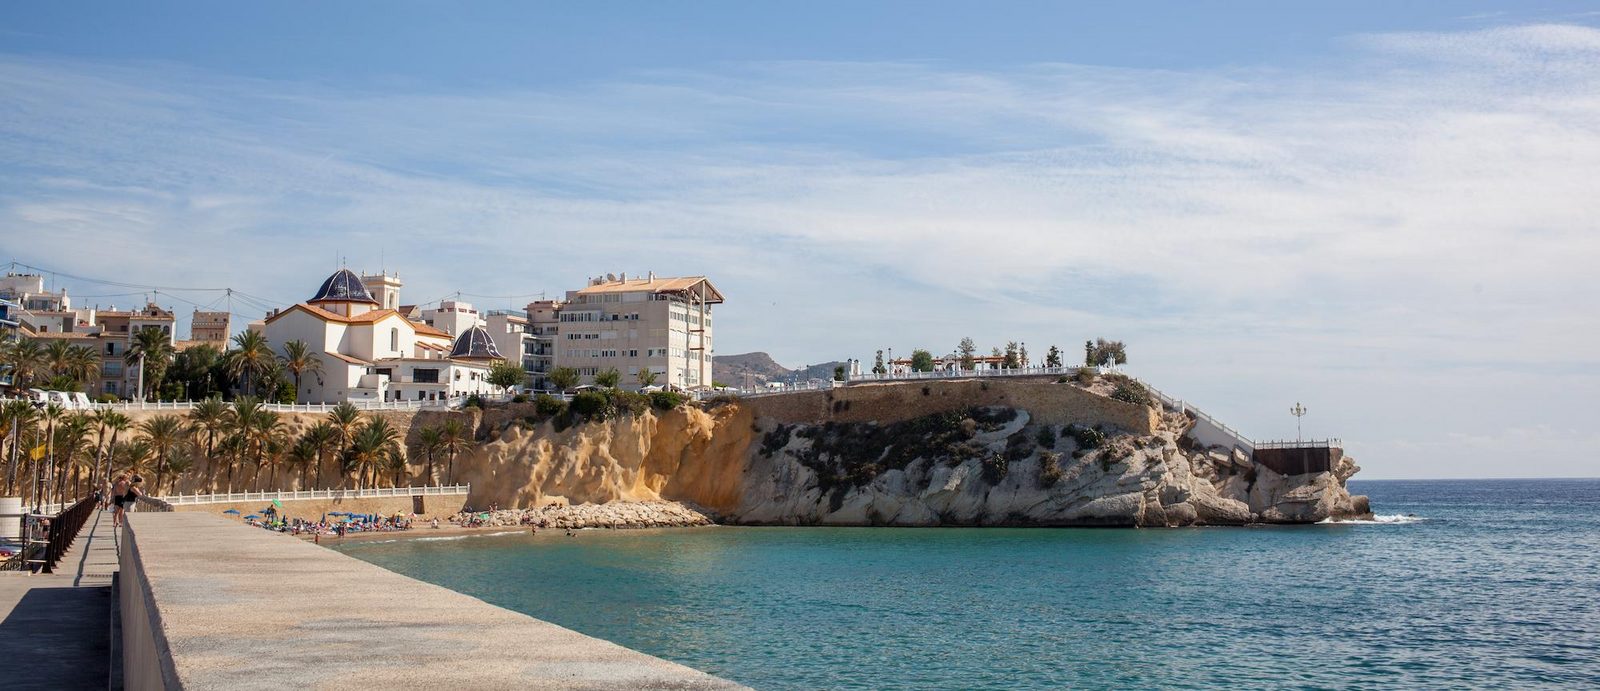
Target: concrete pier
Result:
[209, 603]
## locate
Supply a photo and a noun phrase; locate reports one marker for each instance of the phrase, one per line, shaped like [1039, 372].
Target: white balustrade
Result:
[301, 495]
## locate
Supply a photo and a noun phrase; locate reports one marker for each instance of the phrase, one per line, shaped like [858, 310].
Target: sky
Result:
[1386, 212]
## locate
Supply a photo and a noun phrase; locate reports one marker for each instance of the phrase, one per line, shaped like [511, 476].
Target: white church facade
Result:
[371, 352]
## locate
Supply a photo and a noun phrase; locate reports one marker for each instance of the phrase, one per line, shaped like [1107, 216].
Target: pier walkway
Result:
[56, 628]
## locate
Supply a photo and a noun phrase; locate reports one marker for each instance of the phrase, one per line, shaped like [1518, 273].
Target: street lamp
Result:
[1298, 411]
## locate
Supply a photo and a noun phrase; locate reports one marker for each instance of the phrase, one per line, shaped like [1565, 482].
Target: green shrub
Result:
[474, 401]
[722, 399]
[520, 398]
[629, 401]
[106, 398]
[1049, 469]
[1087, 437]
[1129, 391]
[666, 400]
[548, 406]
[1047, 436]
[1083, 376]
[994, 468]
[589, 405]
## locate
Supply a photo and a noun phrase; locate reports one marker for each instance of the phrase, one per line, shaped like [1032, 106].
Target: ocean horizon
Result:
[1454, 583]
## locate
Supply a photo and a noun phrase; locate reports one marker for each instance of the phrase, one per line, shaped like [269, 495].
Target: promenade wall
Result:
[1047, 401]
[208, 603]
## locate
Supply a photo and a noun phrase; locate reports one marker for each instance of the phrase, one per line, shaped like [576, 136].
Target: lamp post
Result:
[1298, 411]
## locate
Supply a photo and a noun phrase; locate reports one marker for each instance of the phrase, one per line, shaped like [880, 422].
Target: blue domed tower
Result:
[474, 344]
[344, 294]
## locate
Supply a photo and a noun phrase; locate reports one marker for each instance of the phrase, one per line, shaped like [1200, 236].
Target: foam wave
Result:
[1391, 519]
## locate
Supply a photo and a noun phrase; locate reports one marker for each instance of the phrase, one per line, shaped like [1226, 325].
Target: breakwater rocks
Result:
[955, 453]
[619, 515]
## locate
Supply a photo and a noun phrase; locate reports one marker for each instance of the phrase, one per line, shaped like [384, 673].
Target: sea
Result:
[1480, 583]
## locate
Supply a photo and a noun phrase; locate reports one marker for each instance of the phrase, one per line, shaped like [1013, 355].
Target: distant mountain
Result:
[754, 369]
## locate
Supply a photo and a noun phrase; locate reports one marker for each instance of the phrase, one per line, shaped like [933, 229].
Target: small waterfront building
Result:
[372, 353]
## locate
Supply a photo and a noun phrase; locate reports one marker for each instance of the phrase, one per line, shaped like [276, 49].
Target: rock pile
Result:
[616, 514]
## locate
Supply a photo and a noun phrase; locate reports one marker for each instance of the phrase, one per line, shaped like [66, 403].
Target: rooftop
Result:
[652, 284]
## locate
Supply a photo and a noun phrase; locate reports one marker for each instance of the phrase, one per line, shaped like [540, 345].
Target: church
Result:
[370, 351]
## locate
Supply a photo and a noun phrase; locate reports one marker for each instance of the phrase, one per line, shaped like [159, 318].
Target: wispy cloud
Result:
[1417, 206]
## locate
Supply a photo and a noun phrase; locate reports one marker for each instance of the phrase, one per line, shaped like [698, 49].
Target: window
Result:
[394, 339]
[425, 376]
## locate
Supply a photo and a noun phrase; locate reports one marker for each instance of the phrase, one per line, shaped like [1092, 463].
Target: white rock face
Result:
[818, 477]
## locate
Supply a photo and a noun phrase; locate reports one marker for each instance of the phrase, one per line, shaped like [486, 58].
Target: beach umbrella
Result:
[252, 517]
[232, 511]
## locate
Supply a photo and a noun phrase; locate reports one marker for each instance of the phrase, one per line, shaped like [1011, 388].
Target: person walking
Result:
[119, 497]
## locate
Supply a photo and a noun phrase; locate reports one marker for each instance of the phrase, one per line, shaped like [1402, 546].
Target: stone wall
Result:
[1299, 461]
[1048, 402]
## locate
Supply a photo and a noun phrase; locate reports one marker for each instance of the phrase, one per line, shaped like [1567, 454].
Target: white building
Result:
[663, 324]
[370, 352]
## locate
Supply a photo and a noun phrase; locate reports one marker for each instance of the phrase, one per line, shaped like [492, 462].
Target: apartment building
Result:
[27, 290]
[211, 328]
[663, 324]
[115, 335]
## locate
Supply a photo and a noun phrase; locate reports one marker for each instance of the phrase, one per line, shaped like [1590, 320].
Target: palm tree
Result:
[304, 453]
[265, 434]
[211, 417]
[646, 377]
[71, 443]
[345, 418]
[299, 360]
[177, 464]
[25, 357]
[453, 440]
[233, 448]
[370, 446]
[163, 432]
[117, 423]
[52, 414]
[324, 438]
[23, 414]
[396, 462]
[251, 359]
[152, 347]
[429, 440]
[135, 456]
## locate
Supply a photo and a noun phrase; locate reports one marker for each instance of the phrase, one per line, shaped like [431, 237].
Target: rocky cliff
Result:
[946, 453]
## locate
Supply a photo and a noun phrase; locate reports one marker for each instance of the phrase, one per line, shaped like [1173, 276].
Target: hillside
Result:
[761, 368]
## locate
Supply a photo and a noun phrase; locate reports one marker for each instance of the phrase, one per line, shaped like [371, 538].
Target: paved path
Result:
[55, 629]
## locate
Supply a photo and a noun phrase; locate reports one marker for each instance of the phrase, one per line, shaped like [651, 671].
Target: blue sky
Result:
[1386, 211]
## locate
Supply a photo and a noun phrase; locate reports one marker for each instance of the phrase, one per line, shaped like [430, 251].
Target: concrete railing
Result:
[208, 603]
[970, 373]
[126, 406]
[311, 494]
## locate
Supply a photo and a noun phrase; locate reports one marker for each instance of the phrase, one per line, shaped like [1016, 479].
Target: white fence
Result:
[125, 406]
[971, 373]
[301, 495]
[1208, 430]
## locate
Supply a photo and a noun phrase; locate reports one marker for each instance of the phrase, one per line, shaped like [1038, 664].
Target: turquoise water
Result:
[1498, 585]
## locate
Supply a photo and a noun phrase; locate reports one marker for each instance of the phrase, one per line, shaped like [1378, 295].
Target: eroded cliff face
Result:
[969, 466]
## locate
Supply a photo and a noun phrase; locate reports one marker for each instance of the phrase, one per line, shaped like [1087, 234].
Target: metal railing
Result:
[62, 529]
[1306, 444]
[309, 494]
